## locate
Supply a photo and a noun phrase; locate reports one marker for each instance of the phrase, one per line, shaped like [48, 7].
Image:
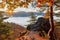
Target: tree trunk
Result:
[51, 24]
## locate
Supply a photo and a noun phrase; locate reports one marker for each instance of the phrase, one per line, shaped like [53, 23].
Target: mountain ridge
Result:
[26, 14]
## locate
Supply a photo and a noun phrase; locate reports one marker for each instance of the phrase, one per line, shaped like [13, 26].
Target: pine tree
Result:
[32, 18]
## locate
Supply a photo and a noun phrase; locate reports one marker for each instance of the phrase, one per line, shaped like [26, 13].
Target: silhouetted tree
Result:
[32, 18]
[5, 28]
[41, 25]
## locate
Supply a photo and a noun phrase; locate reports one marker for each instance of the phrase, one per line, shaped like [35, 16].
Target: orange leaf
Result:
[50, 3]
[41, 1]
[3, 0]
[38, 5]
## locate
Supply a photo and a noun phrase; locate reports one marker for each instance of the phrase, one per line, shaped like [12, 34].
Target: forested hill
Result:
[26, 14]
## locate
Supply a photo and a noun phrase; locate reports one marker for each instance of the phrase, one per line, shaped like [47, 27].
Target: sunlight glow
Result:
[9, 12]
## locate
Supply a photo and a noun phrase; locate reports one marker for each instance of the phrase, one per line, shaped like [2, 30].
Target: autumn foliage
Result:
[13, 4]
[50, 3]
[41, 1]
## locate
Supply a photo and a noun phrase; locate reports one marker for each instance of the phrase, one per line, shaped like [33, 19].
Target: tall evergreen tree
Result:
[32, 18]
